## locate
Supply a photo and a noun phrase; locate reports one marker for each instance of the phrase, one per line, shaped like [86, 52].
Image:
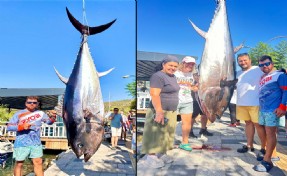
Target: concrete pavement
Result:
[222, 160]
[105, 162]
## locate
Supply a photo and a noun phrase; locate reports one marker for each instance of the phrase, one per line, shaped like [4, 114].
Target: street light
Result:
[127, 76]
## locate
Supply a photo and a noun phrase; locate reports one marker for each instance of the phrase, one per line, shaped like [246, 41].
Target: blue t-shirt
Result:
[116, 122]
[273, 92]
[31, 136]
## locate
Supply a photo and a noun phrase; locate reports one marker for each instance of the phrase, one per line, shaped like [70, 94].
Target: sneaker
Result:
[186, 147]
[204, 132]
[244, 149]
[260, 154]
[166, 159]
[113, 148]
[191, 134]
[153, 162]
[264, 166]
[232, 125]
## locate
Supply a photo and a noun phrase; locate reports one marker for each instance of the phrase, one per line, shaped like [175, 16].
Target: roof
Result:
[16, 97]
[147, 62]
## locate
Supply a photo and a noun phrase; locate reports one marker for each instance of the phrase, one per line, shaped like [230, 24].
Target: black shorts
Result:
[196, 108]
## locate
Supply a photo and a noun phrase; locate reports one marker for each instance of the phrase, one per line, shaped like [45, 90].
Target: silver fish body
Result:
[83, 107]
[83, 101]
[217, 67]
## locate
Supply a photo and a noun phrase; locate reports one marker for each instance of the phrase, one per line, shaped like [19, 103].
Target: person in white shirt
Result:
[125, 126]
[186, 82]
[247, 105]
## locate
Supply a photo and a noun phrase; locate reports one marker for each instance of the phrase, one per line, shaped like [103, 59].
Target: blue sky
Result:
[163, 25]
[37, 35]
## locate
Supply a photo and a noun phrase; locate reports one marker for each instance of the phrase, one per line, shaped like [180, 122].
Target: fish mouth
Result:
[87, 156]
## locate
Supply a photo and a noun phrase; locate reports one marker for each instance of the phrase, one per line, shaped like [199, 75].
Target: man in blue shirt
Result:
[272, 105]
[116, 121]
[27, 123]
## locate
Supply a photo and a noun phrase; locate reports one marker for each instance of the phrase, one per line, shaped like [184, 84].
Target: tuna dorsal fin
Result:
[199, 31]
[105, 73]
[63, 79]
[236, 49]
[83, 29]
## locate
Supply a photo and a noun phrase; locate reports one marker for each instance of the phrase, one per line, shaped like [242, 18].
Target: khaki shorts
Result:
[247, 113]
[116, 131]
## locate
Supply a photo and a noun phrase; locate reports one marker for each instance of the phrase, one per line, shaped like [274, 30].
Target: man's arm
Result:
[282, 81]
[13, 124]
[49, 119]
[112, 116]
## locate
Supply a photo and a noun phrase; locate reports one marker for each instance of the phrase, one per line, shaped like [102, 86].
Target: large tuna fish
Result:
[83, 106]
[217, 68]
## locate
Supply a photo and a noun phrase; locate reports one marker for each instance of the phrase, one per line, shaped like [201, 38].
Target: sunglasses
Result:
[265, 64]
[31, 102]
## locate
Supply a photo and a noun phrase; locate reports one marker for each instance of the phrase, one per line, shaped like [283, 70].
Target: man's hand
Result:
[52, 113]
[279, 112]
[159, 117]
[26, 126]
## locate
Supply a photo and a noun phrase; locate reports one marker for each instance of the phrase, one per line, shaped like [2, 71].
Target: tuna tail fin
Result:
[236, 49]
[199, 31]
[83, 29]
[105, 73]
[62, 78]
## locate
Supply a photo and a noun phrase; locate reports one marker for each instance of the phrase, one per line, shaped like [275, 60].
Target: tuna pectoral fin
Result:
[105, 73]
[63, 79]
[86, 29]
[236, 49]
[230, 83]
[199, 31]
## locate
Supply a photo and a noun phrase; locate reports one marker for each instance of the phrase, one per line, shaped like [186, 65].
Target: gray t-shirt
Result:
[169, 90]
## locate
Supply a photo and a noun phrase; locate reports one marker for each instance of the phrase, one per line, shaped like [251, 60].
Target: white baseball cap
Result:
[188, 59]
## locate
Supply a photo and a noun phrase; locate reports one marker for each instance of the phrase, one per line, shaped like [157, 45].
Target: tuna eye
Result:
[80, 145]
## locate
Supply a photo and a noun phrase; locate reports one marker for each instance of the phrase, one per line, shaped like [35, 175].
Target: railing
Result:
[56, 130]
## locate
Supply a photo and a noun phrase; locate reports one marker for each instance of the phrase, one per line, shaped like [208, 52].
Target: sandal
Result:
[264, 166]
[260, 155]
[186, 147]
[244, 149]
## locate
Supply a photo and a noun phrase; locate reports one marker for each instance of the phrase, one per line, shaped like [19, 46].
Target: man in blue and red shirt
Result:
[27, 123]
[272, 105]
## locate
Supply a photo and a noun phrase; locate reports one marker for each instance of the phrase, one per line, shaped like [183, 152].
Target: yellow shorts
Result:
[247, 113]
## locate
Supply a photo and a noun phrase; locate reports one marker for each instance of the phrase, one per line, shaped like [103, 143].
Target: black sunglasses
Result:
[31, 102]
[265, 64]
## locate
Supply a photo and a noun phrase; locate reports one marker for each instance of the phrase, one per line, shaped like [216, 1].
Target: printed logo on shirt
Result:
[30, 117]
[185, 81]
[265, 80]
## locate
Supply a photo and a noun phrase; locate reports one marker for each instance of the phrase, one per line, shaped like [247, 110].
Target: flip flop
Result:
[185, 147]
